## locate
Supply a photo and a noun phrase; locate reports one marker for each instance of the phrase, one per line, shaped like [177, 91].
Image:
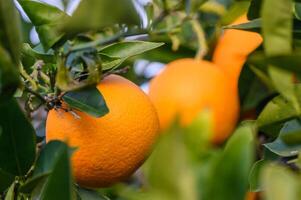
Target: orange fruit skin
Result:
[251, 196]
[186, 87]
[233, 48]
[112, 147]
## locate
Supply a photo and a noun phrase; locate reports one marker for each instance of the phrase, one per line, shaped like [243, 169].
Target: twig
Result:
[39, 96]
[117, 71]
[203, 48]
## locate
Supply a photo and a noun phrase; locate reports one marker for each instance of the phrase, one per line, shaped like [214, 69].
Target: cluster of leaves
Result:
[75, 53]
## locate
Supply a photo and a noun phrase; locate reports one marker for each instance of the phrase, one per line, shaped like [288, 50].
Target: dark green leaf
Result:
[254, 25]
[46, 19]
[297, 10]
[233, 167]
[17, 141]
[97, 14]
[88, 100]
[9, 77]
[27, 51]
[6, 180]
[59, 183]
[254, 9]
[281, 148]
[277, 23]
[10, 35]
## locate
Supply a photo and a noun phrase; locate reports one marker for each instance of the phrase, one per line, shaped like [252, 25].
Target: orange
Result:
[186, 87]
[233, 48]
[112, 147]
[251, 196]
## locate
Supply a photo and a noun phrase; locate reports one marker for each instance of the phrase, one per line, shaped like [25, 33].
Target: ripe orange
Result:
[251, 196]
[186, 87]
[112, 147]
[233, 48]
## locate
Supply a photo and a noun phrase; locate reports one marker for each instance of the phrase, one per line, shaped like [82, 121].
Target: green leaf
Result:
[10, 195]
[282, 148]
[297, 10]
[283, 82]
[44, 165]
[27, 51]
[115, 54]
[88, 100]
[276, 111]
[254, 177]
[98, 14]
[233, 167]
[46, 19]
[9, 76]
[17, 141]
[10, 35]
[254, 26]
[171, 151]
[280, 183]
[254, 9]
[277, 23]
[6, 180]
[59, 183]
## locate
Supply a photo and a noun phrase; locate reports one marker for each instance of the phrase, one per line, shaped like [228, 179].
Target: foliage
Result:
[105, 37]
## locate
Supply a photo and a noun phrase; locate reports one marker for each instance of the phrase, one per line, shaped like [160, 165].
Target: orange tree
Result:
[241, 78]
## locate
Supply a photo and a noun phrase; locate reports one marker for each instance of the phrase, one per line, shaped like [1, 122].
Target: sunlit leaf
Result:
[46, 18]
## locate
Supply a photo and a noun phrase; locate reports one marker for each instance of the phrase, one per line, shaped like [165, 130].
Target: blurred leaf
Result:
[233, 167]
[10, 35]
[254, 9]
[254, 177]
[282, 148]
[98, 14]
[277, 110]
[9, 76]
[110, 63]
[59, 182]
[10, 195]
[88, 100]
[17, 141]
[46, 18]
[277, 23]
[297, 10]
[176, 182]
[283, 82]
[86, 194]
[279, 183]
[254, 25]
[238, 9]
[6, 180]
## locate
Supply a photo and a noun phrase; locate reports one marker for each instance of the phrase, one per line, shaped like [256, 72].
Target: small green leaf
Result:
[297, 10]
[276, 111]
[10, 35]
[88, 100]
[280, 183]
[98, 14]
[277, 24]
[59, 183]
[128, 48]
[282, 148]
[17, 141]
[46, 19]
